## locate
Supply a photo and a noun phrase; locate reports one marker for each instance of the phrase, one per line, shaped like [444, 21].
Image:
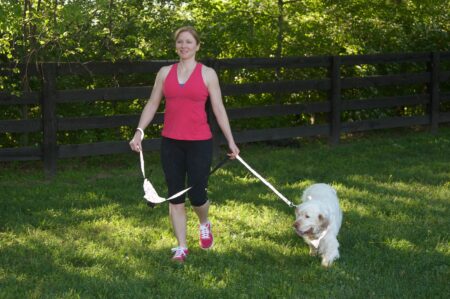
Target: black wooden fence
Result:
[334, 83]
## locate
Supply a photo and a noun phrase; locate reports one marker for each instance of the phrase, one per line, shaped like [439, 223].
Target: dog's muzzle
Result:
[308, 232]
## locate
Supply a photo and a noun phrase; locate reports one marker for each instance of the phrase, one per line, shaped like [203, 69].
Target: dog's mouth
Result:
[307, 232]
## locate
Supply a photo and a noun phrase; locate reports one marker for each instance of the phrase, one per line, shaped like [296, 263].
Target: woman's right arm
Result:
[150, 108]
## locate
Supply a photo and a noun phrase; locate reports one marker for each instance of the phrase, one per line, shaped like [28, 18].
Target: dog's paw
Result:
[327, 263]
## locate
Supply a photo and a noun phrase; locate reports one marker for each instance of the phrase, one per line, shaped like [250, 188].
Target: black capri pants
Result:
[191, 159]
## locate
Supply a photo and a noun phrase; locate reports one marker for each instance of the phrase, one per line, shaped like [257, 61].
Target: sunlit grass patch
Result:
[89, 234]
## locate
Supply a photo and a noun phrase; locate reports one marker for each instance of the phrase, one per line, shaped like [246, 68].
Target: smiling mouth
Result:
[305, 233]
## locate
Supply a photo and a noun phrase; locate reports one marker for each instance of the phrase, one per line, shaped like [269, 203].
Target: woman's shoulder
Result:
[208, 72]
[164, 71]
[207, 69]
[166, 68]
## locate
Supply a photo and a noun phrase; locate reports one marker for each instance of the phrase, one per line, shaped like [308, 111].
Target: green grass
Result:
[89, 234]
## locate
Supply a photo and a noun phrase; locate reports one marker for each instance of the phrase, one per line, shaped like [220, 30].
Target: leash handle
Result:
[141, 157]
[287, 201]
[142, 133]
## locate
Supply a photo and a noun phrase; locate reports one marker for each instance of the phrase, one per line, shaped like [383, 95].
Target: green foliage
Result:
[82, 30]
[113, 30]
[89, 234]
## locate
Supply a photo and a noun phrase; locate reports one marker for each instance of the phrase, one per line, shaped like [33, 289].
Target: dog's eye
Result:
[306, 216]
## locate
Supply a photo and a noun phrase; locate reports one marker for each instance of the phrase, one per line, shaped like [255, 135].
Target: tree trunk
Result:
[280, 29]
[279, 50]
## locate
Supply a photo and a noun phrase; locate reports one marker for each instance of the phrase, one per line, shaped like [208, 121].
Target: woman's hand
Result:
[234, 150]
[136, 142]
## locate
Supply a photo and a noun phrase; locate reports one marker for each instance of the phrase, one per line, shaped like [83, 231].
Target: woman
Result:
[186, 147]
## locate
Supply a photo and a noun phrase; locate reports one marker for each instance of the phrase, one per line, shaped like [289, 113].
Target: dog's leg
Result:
[329, 250]
[312, 250]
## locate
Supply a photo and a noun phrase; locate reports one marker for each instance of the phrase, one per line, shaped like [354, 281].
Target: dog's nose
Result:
[296, 224]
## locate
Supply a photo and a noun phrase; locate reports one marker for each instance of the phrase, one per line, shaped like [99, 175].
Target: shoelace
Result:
[179, 251]
[204, 231]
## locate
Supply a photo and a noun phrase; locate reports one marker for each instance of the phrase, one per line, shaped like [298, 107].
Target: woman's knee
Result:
[176, 208]
[198, 196]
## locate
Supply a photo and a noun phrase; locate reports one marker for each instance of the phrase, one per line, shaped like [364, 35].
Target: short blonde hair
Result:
[189, 29]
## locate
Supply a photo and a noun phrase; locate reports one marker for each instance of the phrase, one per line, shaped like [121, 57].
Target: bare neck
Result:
[188, 64]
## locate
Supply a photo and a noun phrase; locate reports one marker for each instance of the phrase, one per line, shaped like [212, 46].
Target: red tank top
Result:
[185, 115]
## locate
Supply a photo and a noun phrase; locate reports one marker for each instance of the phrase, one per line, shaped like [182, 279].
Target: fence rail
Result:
[49, 151]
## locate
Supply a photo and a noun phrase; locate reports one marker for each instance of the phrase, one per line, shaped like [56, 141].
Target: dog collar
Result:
[316, 242]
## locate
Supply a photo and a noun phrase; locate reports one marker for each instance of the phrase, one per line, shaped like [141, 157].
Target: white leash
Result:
[152, 196]
[287, 201]
[150, 193]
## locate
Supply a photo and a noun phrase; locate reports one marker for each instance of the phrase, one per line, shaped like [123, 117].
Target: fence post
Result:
[433, 88]
[49, 125]
[335, 100]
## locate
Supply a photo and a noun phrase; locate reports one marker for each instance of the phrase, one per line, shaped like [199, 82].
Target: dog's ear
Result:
[324, 222]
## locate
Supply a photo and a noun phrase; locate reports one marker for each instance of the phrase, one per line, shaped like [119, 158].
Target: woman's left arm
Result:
[215, 96]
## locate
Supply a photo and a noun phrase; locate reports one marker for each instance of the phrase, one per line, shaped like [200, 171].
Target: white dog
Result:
[318, 220]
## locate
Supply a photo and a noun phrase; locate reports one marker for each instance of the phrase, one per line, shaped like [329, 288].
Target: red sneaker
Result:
[206, 237]
[180, 254]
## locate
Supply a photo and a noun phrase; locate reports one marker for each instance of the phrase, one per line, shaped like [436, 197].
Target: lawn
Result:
[89, 234]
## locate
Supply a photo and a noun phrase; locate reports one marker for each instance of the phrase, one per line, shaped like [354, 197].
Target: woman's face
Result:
[186, 45]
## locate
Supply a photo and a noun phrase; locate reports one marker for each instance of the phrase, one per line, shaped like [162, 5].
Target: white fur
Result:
[318, 212]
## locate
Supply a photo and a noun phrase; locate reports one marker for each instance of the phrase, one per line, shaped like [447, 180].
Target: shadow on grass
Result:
[394, 239]
[51, 270]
